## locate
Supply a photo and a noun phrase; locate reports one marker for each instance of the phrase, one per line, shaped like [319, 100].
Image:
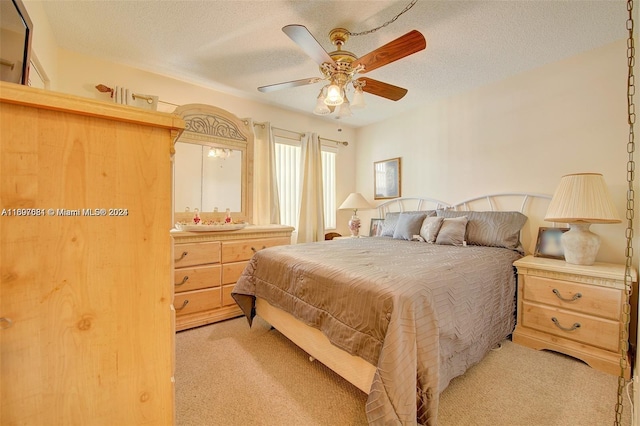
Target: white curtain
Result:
[266, 204]
[311, 220]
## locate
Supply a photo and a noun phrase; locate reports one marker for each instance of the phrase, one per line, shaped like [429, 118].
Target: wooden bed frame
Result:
[354, 369]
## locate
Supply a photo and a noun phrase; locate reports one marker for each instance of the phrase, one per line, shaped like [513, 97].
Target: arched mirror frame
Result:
[212, 126]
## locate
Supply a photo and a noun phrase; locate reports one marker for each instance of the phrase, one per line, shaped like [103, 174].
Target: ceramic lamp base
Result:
[580, 244]
[354, 226]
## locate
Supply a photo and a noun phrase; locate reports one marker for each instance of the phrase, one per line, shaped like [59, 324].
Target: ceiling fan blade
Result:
[406, 45]
[384, 90]
[288, 84]
[303, 38]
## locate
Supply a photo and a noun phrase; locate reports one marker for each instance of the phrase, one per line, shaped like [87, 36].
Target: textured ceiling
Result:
[237, 46]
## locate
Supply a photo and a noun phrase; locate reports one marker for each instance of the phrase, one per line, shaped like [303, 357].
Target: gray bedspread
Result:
[421, 313]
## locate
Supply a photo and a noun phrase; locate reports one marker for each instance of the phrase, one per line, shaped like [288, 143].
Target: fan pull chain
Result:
[409, 6]
[631, 116]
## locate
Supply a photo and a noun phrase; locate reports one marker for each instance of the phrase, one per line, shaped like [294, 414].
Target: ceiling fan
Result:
[341, 67]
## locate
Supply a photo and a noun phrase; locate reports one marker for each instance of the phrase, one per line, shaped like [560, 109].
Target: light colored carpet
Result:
[228, 374]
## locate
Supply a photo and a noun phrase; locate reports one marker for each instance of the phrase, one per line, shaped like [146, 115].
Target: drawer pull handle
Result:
[573, 299]
[184, 280]
[557, 323]
[184, 253]
[253, 249]
[184, 304]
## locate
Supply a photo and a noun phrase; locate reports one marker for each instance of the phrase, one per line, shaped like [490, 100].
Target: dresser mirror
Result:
[212, 165]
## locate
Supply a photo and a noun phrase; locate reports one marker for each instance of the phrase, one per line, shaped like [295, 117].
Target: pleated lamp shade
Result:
[355, 201]
[582, 197]
[580, 200]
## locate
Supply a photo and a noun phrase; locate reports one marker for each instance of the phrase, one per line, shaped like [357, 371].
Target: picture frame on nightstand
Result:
[375, 230]
[549, 243]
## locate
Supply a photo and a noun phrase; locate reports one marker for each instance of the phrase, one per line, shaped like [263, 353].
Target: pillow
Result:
[391, 220]
[452, 231]
[408, 225]
[389, 224]
[493, 229]
[430, 227]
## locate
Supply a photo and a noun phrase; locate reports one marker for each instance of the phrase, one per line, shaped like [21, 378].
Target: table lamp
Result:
[580, 200]
[355, 201]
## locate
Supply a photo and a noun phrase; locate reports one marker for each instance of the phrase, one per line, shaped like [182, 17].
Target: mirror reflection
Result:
[207, 177]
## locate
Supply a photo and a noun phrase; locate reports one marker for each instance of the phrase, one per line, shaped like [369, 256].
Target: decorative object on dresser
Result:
[387, 179]
[573, 309]
[207, 266]
[580, 200]
[355, 201]
[87, 290]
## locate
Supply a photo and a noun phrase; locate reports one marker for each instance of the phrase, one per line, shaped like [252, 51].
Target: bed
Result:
[400, 315]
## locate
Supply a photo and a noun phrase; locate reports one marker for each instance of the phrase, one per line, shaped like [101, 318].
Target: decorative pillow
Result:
[391, 220]
[452, 231]
[408, 225]
[430, 227]
[493, 229]
[389, 224]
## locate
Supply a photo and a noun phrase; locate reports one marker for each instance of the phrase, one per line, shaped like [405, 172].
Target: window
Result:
[288, 171]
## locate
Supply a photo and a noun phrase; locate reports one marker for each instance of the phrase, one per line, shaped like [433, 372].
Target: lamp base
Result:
[580, 244]
[354, 225]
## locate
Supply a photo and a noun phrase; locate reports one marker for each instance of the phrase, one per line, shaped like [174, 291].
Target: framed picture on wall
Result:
[386, 179]
[375, 230]
[549, 243]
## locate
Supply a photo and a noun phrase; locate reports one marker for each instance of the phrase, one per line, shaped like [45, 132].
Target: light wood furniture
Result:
[207, 266]
[86, 328]
[573, 309]
[215, 127]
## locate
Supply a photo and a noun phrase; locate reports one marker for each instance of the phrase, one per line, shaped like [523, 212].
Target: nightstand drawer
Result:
[187, 279]
[594, 300]
[599, 332]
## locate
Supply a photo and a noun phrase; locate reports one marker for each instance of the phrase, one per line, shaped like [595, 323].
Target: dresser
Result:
[207, 266]
[573, 309]
[86, 317]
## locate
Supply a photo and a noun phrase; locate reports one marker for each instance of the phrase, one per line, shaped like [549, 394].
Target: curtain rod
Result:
[345, 143]
[106, 89]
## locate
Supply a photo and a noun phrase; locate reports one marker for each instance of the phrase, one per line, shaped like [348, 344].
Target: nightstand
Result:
[573, 309]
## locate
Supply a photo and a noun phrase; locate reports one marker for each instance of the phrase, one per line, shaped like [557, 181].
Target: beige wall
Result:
[79, 74]
[520, 134]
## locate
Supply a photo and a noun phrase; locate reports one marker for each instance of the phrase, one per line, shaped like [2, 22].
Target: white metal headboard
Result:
[409, 204]
[532, 205]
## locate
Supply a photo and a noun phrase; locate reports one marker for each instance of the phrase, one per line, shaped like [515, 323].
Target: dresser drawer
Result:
[197, 277]
[234, 251]
[232, 271]
[190, 254]
[593, 331]
[197, 301]
[227, 299]
[594, 300]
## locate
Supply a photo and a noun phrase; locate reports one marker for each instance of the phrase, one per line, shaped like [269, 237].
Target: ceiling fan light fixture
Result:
[358, 99]
[344, 110]
[335, 95]
[321, 108]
